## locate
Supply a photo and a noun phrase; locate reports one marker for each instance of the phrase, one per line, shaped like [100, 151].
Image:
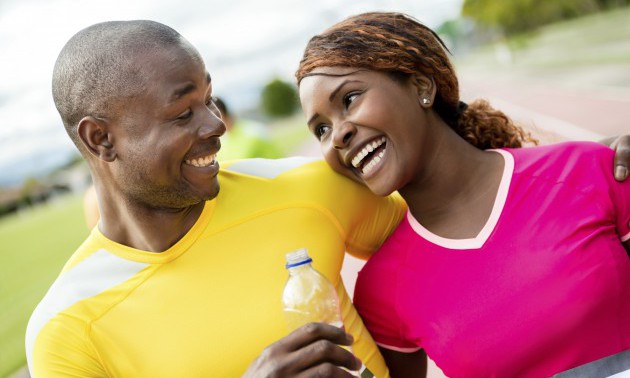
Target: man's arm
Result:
[621, 145]
[310, 351]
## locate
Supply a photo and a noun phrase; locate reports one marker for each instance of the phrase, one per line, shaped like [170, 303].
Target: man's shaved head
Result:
[98, 70]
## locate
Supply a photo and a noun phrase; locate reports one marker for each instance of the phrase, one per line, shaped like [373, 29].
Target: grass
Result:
[35, 245]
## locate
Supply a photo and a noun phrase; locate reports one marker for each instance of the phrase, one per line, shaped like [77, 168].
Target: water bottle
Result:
[309, 297]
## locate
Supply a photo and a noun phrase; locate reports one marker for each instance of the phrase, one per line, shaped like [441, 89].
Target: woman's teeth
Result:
[202, 161]
[367, 168]
[365, 151]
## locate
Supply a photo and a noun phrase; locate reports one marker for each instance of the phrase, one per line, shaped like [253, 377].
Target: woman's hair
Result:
[404, 48]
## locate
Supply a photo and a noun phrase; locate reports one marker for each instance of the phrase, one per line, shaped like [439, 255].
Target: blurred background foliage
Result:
[517, 16]
[279, 99]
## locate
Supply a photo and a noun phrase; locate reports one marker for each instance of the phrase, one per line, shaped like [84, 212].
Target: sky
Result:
[244, 43]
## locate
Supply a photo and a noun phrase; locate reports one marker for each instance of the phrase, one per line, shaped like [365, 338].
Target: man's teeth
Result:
[356, 161]
[202, 161]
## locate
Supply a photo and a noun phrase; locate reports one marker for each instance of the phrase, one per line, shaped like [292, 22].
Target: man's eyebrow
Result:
[183, 91]
[186, 89]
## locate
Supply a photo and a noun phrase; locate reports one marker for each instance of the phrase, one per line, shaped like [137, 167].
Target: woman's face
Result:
[370, 126]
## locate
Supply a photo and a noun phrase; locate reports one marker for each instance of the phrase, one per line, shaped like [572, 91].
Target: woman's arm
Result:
[405, 365]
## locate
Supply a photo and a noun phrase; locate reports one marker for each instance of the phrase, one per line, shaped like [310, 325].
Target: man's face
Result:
[167, 137]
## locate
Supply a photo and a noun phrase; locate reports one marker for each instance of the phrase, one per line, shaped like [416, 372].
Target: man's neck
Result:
[153, 230]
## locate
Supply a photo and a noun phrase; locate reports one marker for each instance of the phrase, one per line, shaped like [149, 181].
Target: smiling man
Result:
[181, 279]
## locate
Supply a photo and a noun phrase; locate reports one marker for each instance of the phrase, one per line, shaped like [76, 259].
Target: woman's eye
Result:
[349, 98]
[320, 131]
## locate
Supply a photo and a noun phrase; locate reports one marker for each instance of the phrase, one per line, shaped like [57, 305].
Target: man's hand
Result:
[310, 351]
[621, 145]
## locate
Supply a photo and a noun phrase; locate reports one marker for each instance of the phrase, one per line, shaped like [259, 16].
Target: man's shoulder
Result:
[295, 167]
[70, 301]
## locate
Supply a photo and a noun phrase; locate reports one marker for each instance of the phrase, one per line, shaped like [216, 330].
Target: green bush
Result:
[279, 99]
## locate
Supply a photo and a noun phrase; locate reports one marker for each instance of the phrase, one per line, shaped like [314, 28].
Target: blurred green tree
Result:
[279, 99]
[517, 16]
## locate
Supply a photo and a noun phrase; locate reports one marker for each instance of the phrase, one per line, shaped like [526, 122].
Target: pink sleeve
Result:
[375, 299]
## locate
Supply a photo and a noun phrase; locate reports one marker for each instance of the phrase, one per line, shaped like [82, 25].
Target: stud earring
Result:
[426, 101]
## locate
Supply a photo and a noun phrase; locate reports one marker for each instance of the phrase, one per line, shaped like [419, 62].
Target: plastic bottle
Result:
[309, 297]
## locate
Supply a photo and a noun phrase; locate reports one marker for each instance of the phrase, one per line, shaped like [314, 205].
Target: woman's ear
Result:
[426, 90]
[97, 138]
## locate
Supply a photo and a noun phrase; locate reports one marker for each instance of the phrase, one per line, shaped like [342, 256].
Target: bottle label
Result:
[366, 373]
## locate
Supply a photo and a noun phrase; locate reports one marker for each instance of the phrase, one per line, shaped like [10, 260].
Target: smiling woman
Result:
[510, 261]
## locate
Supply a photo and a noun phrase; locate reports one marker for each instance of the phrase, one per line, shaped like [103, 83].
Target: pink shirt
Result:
[544, 287]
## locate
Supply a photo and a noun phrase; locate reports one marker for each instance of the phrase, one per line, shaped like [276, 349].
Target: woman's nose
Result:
[343, 135]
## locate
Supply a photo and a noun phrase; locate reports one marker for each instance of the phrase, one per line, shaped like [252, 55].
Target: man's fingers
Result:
[309, 351]
[622, 157]
[324, 370]
[311, 332]
[323, 351]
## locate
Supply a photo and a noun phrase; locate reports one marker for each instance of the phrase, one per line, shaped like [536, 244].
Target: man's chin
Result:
[211, 193]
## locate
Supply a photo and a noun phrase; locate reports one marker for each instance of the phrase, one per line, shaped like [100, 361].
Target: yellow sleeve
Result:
[62, 349]
[364, 346]
[366, 218]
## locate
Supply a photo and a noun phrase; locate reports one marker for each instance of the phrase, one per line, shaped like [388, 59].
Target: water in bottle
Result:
[309, 297]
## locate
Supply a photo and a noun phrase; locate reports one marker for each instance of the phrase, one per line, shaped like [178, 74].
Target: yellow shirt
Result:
[210, 304]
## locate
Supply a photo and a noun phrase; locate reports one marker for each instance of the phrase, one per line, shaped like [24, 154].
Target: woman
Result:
[511, 262]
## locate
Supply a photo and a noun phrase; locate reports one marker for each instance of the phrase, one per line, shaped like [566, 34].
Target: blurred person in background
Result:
[511, 261]
[244, 138]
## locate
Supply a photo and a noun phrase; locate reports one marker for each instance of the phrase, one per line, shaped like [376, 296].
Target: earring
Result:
[425, 101]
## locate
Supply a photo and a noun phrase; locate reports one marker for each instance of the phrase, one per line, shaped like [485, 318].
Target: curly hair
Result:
[401, 46]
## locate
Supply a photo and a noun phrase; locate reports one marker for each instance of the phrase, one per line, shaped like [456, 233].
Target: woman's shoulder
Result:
[565, 157]
[559, 150]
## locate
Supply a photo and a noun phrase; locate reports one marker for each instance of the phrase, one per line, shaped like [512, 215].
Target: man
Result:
[180, 279]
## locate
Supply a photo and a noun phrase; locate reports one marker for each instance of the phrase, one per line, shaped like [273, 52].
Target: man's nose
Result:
[343, 134]
[212, 126]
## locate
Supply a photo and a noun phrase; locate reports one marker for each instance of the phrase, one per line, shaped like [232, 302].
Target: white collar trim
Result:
[484, 234]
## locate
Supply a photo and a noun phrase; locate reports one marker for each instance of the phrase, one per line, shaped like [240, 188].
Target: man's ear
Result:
[426, 90]
[97, 138]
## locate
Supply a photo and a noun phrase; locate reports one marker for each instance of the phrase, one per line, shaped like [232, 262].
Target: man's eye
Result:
[349, 98]
[185, 115]
[320, 131]
[213, 107]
